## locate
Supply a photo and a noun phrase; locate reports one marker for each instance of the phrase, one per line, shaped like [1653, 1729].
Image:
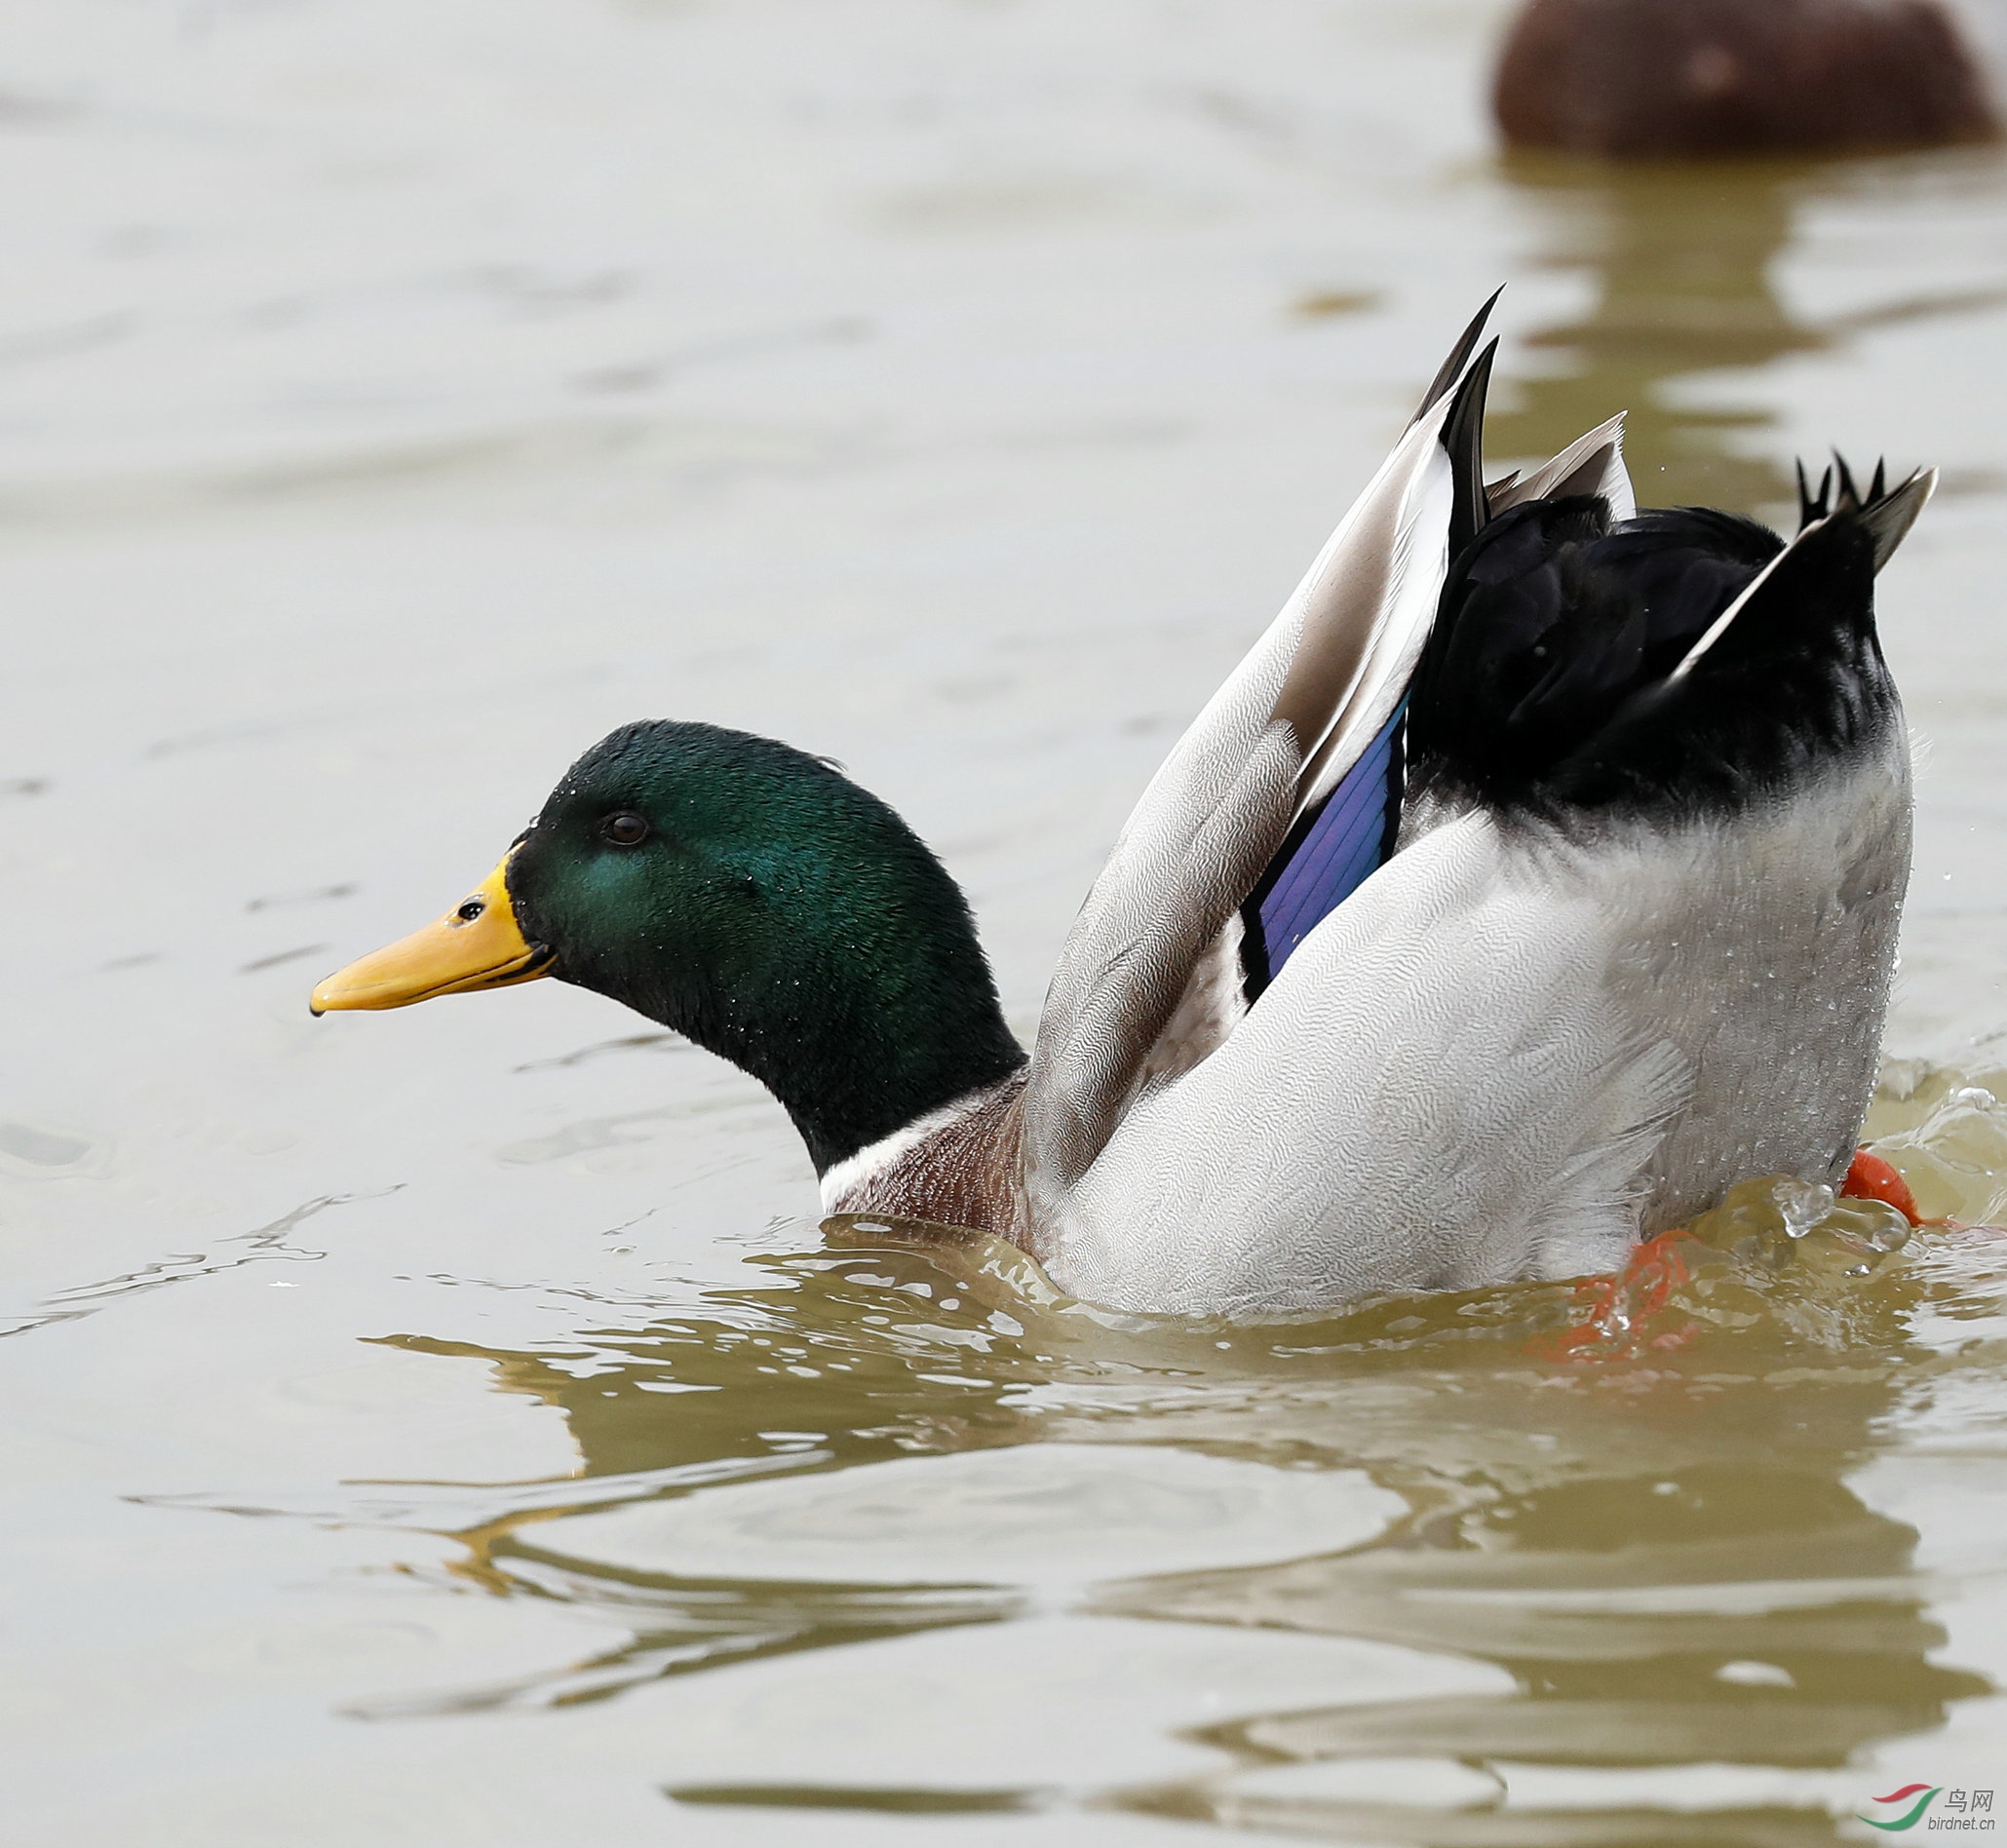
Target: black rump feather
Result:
[1817, 505]
[1561, 674]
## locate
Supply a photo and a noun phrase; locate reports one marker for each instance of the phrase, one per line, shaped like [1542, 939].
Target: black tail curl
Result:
[1579, 665]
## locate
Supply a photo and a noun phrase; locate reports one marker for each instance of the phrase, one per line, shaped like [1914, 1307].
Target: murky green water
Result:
[451, 1427]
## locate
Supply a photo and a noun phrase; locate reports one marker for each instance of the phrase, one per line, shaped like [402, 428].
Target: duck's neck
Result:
[859, 1039]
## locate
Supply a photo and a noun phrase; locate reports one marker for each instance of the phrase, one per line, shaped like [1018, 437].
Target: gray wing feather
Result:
[1290, 720]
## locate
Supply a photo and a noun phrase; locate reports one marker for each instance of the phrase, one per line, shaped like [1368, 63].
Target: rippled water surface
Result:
[452, 1426]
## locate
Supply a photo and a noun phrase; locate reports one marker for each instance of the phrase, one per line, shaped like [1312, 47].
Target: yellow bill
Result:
[476, 945]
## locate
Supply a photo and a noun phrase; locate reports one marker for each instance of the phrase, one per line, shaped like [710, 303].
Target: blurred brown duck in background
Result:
[1670, 79]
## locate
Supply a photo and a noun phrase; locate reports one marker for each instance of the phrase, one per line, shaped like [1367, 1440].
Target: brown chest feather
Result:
[964, 1173]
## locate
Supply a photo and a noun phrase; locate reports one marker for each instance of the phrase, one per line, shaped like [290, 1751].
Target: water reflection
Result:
[1656, 1567]
[1682, 260]
[1698, 1612]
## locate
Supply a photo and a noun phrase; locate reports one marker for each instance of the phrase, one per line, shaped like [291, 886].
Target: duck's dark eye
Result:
[625, 829]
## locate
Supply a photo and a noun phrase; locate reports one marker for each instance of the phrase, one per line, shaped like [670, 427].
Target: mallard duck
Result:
[1642, 79]
[1532, 880]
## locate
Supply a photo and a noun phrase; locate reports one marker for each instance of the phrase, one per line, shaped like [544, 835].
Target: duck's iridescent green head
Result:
[751, 897]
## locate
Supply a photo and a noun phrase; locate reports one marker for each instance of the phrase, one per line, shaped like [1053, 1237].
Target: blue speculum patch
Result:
[1325, 862]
